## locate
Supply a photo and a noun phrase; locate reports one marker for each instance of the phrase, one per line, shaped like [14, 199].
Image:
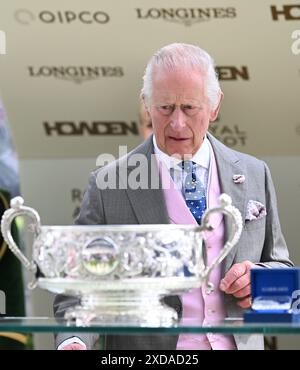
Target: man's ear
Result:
[214, 113]
[144, 101]
[144, 110]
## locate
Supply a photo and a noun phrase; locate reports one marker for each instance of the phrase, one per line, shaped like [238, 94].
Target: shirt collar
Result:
[201, 157]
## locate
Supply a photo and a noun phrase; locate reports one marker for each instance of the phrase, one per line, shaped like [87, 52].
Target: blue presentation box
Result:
[275, 295]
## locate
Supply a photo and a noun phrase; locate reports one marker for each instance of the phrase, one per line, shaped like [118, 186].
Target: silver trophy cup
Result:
[121, 273]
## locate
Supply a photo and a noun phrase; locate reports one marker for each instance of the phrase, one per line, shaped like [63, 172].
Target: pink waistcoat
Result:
[206, 308]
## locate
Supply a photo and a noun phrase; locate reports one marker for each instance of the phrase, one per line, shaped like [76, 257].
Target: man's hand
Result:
[237, 282]
[74, 347]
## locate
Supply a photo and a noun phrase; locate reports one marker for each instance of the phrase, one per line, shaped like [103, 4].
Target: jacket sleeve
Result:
[275, 252]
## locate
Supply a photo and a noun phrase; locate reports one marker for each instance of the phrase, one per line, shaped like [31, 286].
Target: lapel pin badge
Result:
[238, 179]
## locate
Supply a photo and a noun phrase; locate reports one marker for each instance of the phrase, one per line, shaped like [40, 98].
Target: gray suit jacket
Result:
[261, 240]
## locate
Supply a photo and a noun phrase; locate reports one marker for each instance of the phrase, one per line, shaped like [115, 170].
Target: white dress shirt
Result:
[201, 158]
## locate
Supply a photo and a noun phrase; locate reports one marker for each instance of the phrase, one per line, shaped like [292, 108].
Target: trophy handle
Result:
[17, 209]
[236, 229]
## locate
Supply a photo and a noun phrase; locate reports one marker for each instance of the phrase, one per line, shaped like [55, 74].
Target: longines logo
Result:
[186, 16]
[288, 12]
[26, 16]
[231, 73]
[95, 128]
[77, 74]
[231, 136]
[2, 43]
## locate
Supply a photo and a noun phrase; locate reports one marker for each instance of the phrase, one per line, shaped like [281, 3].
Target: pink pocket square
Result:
[255, 210]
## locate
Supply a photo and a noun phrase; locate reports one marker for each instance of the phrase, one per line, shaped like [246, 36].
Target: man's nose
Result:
[177, 119]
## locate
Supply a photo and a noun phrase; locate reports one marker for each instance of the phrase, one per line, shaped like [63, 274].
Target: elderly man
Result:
[182, 96]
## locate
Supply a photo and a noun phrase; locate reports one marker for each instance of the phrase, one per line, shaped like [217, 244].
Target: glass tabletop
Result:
[232, 325]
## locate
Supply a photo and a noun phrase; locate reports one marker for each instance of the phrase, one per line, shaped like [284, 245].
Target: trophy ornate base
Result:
[141, 310]
[136, 301]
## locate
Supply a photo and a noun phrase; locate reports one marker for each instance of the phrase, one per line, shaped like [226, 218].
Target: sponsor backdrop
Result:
[71, 75]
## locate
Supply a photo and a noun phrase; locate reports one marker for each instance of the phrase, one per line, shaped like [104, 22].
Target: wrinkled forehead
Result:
[177, 73]
[177, 84]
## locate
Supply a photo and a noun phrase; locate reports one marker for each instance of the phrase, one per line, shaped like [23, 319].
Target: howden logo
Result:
[231, 73]
[288, 12]
[94, 128]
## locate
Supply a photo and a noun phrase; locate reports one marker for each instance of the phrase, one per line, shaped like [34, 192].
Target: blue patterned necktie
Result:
[194, 191]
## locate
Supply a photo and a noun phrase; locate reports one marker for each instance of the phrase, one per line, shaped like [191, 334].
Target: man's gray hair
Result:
[181, 55]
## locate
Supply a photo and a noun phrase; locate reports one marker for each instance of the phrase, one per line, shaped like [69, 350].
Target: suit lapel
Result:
[213, 195]
[148, 204]
[176, 206]
[229, 164]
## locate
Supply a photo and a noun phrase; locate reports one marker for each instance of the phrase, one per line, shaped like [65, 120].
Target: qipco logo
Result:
[26, 17]
[2, 43]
